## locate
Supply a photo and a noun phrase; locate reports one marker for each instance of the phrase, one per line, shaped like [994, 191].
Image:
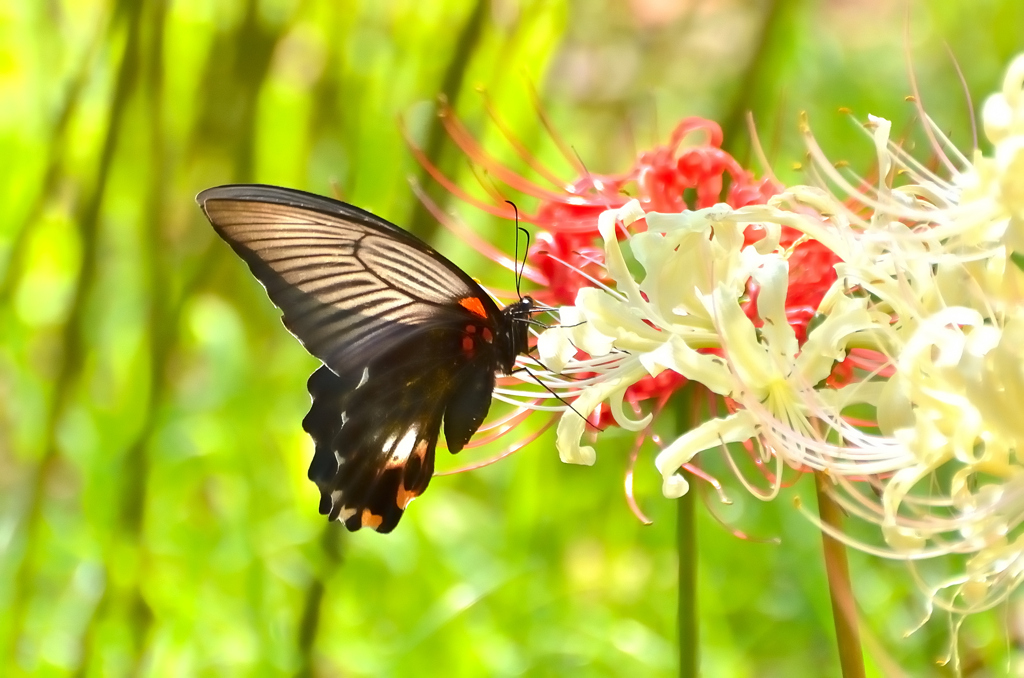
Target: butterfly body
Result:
[409, 342]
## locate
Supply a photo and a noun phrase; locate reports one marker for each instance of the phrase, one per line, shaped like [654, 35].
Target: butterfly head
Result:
[515, 328]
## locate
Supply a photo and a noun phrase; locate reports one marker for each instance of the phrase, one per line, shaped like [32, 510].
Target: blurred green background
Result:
[155, 517]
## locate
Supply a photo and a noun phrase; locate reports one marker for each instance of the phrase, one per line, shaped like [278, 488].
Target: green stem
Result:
[757, 84]
[309, 622]
[686, 542]
[840, 588]
[18, 249]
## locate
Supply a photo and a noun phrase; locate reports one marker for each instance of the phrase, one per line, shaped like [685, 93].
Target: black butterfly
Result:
[406, 338]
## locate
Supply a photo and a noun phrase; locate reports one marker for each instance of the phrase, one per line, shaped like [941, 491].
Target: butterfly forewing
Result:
[346, 281]
[409, 342]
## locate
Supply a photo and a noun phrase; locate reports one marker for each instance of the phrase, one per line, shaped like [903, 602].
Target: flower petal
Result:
[734, 428]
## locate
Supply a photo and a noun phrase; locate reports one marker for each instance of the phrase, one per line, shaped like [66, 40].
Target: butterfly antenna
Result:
[547, 388]
[567, 377]
[522, 266]
[526, 253]
[523, 368]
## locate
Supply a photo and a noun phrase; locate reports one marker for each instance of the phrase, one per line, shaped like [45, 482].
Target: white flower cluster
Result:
[929, 297]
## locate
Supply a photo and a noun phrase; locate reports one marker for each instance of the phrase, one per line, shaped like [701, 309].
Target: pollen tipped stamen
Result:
[469, 146]
[596, 283]
[520, 148]
[627, 484]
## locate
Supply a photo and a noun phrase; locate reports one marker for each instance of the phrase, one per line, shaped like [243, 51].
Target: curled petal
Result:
[572, 424]
[829, 341]
[734, 428]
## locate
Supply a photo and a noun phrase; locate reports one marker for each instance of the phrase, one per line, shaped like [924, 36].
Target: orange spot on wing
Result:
[467, 344]
[473, 305]
[370, 520]
[404, 497]
[487, 335]
[421, 450]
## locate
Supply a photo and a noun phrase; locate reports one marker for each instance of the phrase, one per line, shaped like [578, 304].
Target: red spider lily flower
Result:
[691, 171]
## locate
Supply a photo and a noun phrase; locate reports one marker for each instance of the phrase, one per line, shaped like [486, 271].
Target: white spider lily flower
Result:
[697, 272]
[928, 297]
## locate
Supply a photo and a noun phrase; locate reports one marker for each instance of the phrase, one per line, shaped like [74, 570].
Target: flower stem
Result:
[844, 607]
[686, 542]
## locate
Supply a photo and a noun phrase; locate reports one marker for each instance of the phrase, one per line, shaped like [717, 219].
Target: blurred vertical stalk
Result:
[758, 88]
[161, 329]
[229, 104]
[688, 627]
[54, 162]
[135, 470]
[309, 623]
[422, 222]
[840, 588]
[687, 411]
[73, 348]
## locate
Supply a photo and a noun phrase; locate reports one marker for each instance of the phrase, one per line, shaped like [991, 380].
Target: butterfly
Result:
[408, 341]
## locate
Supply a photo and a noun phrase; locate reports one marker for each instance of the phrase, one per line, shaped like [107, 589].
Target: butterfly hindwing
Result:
[375, 439]
[467, 406]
